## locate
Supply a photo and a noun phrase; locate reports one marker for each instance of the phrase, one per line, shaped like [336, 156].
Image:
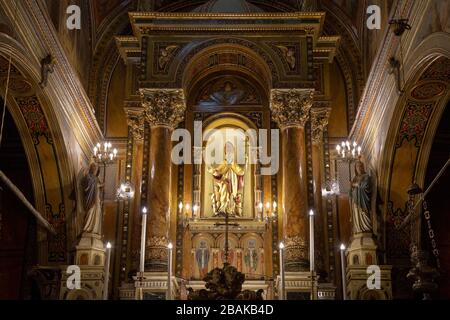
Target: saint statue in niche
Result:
[360, 200]
[228, 179]
[228, 96]
[202, 257]
[88, 200]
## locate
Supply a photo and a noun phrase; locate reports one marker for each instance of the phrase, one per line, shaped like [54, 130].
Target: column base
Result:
[326, 291]
[299, 285]
[90, 251]
[153, 286]
[296, 255]
[357, 286]
[92, 281]
[362, 250]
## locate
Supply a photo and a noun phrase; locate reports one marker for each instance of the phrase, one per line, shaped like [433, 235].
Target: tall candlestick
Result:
[282, 288]
[261, 210]
[107, 266]
[344, 280]
[311, 241]
[169, 272]
[143, 236]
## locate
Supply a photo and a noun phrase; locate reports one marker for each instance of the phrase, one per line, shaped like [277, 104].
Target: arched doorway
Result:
[412, 132]
[439, 203]
[17, 226]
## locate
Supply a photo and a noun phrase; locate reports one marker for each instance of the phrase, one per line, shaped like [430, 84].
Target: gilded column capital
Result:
[136, 120]
[290, 107]
[319, 121]
[163, 107]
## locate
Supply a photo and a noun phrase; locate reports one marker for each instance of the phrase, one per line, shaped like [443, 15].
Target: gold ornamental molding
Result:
[156, 249]
[136, 120]
[163, 107]
[296, 249]
[319, 121]
[186, 22]
[290, 107]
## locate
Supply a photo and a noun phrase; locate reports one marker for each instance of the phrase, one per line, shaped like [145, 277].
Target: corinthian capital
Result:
[163, 107]
[290, 107]
[136, 120]
[319, 120]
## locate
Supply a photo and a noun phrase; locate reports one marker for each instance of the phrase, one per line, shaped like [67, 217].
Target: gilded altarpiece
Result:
[225, 78]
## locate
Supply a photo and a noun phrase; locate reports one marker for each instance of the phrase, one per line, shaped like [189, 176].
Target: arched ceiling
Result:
[103, 8]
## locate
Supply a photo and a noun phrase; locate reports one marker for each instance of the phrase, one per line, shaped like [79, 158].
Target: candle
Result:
[180, 206]
[143, 236]
[115, 152]
[260, 207]
[95, 151]
[260, 211]
[107, 265]
[195, 208]
[169, 273]
[311, 240]
[359, 151]
[281, 293]
[187, 209]
[344, 280]
[106, 146]
[111, 156]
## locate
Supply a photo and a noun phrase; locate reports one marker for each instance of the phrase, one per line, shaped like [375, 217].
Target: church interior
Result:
[224, 149]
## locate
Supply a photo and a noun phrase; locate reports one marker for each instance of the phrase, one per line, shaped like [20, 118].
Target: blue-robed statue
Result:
[360, 200]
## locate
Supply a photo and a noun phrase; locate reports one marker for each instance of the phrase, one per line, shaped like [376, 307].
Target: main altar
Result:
[255, 78]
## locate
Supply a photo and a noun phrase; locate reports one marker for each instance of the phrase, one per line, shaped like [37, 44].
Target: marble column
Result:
[290, 109]
[164, 110]
[319, 121]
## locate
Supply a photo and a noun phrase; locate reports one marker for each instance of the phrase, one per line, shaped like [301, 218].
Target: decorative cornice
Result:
[303, 22]
[163, 107]
[319, 121]
[290, 107]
